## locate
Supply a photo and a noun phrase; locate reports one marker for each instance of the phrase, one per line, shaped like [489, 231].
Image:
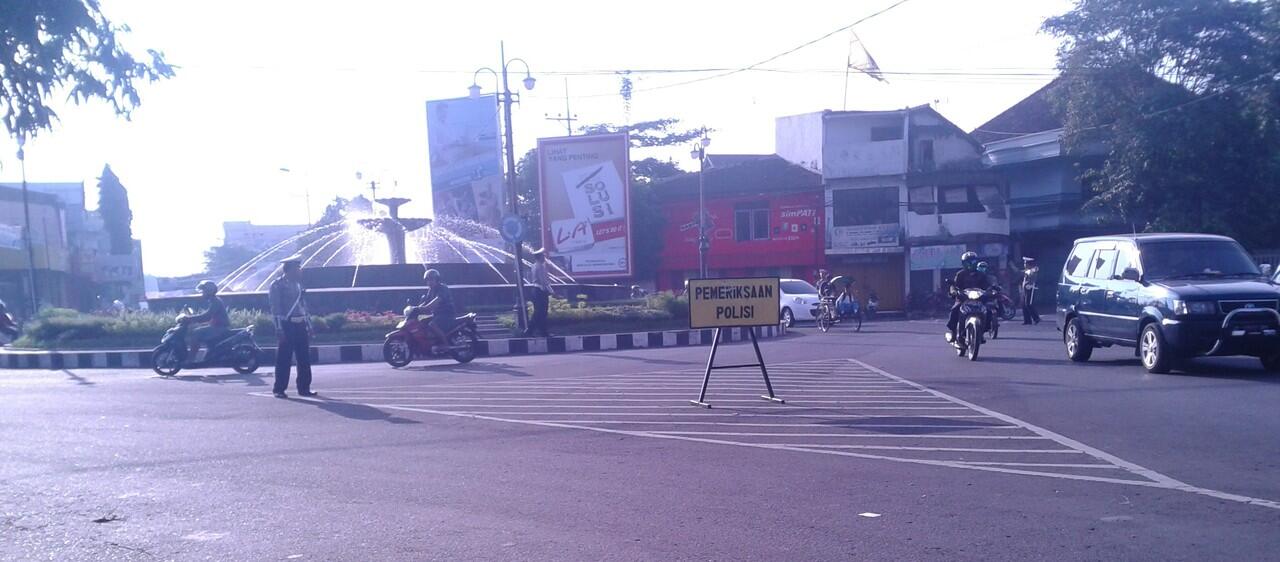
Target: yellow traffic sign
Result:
[738, 302]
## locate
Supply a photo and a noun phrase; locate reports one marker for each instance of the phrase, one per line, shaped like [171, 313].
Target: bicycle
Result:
[826, 314]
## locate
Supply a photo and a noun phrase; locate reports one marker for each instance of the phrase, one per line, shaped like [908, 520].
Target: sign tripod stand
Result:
[734, 303]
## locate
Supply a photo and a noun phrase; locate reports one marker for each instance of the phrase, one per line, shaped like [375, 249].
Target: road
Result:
[888, 448]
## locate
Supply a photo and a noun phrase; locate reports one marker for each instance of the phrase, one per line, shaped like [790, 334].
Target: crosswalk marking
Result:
[843, 408]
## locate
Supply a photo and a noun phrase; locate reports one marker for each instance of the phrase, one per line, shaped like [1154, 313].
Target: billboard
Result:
[465, 151]
[586, 208]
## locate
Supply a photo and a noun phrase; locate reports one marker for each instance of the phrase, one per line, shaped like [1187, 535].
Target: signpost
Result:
[745, 302]
[512, 229]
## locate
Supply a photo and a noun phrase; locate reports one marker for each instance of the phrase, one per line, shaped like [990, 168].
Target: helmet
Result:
[431, 274]
[983, 266]
[207, 287]
[969, 260]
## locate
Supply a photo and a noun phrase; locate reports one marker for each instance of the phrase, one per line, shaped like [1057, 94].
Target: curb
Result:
[372, 352]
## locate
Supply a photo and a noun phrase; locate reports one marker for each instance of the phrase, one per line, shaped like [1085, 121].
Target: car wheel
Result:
[1271, 362]
[788, 319]
[1153, 351]
[1079, 347]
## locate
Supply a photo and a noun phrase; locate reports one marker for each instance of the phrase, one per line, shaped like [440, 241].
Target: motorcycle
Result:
[1005, 308]
[237, 350]
[975, 316]
[412, 339]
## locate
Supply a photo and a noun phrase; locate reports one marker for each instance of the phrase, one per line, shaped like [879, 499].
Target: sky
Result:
[329, 89]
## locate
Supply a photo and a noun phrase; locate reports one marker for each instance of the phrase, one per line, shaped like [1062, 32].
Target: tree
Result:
[646, 214]
[49, 46]
[117, 218]
[1186, 96]
[222, 260]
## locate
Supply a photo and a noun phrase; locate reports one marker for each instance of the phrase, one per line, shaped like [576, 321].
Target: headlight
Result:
[973, 294]
[1185, 308]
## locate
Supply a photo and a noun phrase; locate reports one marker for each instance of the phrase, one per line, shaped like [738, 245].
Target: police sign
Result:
[740, 302]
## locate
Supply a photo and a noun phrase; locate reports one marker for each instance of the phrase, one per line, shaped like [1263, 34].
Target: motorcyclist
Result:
[824, 283]
[215, 314]
[438, 301]
[8, 327]
[967, 278]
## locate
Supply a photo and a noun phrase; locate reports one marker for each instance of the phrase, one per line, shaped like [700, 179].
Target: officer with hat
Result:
[1030, 271]
[293, 327]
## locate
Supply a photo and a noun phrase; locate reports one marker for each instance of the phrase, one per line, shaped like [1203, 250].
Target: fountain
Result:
[373, 261]
[394, 227]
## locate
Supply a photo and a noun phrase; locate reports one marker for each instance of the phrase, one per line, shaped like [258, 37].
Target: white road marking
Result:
[945, 449]
[674, 407]
[852, 435]
[749, 424]
[1045, 464]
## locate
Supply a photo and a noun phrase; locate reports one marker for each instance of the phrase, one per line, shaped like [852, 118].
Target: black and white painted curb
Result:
[372, 352]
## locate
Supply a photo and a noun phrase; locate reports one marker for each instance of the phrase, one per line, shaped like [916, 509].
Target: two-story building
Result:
[763, 219]
[49, 253]
[1024, 145]
[905, 194]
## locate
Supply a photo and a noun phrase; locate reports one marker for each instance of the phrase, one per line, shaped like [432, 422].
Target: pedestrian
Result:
[293, 327]
[1030, 270]
[540, 284]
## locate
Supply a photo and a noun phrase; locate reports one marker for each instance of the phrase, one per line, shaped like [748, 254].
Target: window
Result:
[959, 199]
[1127, 258]
[1104, 264]
[854, 207]
[922, 200]
[926, 154]
[1196, 258]
[1078, 264]
[751, 221]
[886, 133]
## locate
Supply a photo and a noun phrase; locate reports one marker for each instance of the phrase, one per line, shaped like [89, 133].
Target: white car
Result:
[799, 301]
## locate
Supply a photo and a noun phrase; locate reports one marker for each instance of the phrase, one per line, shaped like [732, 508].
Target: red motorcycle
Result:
[412, 339]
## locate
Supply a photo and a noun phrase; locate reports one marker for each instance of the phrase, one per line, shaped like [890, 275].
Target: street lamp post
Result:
[306, 194]
[704, 244]
[26, 234]
[506, 97]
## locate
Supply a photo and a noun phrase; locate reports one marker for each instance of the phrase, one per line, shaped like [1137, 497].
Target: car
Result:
[1170, 297]
[799, 301]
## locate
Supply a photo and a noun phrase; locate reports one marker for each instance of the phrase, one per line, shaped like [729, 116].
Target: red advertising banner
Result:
[586, 211]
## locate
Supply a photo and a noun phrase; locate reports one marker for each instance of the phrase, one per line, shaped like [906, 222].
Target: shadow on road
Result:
[471, 368]
[353, 411]
[251, 379]
[77, 378]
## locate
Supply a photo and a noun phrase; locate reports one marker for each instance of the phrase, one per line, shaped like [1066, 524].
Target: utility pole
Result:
[568, 116]
[704, 243]
[26, 231]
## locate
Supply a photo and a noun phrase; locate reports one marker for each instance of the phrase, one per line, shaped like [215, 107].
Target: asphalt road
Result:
[889, 448]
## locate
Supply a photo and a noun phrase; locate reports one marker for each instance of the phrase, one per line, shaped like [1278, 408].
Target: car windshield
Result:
[1196, 258]
[798, 287]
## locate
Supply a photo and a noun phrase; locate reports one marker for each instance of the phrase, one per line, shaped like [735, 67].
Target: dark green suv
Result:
[1169, 296]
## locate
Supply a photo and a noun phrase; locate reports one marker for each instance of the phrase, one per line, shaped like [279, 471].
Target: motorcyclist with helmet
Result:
[438, 301]
[967, 278]
[215, 314]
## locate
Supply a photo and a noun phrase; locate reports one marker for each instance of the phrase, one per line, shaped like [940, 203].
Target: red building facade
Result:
[764, 218]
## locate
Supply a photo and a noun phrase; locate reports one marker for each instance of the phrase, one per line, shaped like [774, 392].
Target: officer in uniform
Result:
[293, 327]
[1030, 270]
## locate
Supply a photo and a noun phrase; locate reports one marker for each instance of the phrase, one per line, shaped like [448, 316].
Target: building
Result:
[258, 237]
[50, 250]
[94, 276]
[763, 215]
[1046, 198]
[905, 195]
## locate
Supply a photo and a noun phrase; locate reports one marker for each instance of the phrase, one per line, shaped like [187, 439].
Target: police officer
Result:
[293, 327]
[1030, 271]
[967, 278]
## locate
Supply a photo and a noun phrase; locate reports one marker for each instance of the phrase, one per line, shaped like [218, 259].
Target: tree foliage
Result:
[50, 47]
[1185, 96]
[117, 217]
[647, 220]
[222, 260]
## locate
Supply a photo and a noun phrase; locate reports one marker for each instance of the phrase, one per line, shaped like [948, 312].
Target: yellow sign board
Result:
[728, 303]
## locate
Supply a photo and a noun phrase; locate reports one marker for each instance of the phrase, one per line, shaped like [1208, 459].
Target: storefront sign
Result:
[726, 303]
[925, 258]
[861, 238]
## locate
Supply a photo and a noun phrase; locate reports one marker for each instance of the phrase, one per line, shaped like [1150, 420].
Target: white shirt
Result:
[539, 276]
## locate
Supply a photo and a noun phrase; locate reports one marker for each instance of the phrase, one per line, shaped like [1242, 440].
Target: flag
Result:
[864, 63]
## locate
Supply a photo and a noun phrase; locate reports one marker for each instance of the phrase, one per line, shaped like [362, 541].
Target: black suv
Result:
[1171, 296]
